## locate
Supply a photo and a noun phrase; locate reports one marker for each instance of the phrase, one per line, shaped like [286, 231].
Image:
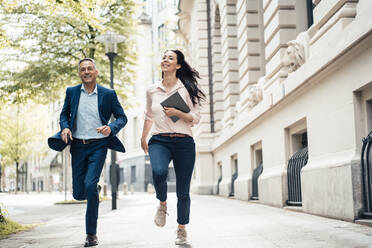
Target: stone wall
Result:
[277, 77]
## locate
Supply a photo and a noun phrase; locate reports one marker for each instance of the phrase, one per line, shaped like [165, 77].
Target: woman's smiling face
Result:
[169, 62]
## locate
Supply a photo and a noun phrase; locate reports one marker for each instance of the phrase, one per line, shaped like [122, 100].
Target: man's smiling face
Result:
[88, 72]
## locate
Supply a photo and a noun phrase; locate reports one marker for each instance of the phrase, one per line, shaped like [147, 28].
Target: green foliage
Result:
[49, 37]
[9, 227]
[3, 39]
[69, 202]
[21, 134]
[15, 138]
[3, 213]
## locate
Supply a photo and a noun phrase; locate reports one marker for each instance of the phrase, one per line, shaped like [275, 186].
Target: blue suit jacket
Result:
[108, 104]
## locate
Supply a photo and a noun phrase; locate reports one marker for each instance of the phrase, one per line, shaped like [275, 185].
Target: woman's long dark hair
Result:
[188, 77]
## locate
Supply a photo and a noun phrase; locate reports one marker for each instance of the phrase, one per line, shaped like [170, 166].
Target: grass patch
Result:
[104, 198]
[8, 227]
[101, 198]
[70, 202]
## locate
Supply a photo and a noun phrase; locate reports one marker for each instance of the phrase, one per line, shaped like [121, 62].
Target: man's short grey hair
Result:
[86, 59]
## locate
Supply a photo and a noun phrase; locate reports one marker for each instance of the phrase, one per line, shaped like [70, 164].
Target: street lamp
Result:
[111, 40]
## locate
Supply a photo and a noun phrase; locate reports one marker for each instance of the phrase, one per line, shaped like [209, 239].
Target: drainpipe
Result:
[210, 79]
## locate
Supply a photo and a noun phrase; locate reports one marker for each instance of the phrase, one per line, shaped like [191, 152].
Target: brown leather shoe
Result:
[91, 240]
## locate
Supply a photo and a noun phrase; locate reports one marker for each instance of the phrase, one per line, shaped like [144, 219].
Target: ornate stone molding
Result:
[296, 53]
[255, 92]
[184, 25]
[348, 10]
[255, 95]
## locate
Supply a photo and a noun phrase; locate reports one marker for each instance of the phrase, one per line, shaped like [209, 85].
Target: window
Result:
[369, 114]
[124, 136]
[172, 3]
[161, 4]
[121, 177]
[234, 173]
[161, 33]
[257, 168]
[234, 164]
[133, 177]
[296, 137]
[297, 156]
[145, 7]
[219, 175]
[304, 15]
[135, 133]
[219, 170]
[310, 14]
[256, 154]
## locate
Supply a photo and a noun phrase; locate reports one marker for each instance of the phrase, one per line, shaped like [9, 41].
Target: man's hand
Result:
[105, 130]
[66, 134]
[171, 112]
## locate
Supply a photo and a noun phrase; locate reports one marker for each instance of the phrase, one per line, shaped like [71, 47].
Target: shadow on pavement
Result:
[184, 246]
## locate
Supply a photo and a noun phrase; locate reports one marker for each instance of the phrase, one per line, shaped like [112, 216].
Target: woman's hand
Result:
[187, 117]
[146, 129]
[171, 112]
[144, 146]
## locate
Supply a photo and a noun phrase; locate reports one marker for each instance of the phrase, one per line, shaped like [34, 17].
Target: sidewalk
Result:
[32, 207]
[215, 222]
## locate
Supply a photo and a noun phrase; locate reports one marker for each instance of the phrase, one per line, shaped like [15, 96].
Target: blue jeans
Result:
[87, 161]
[182, 151]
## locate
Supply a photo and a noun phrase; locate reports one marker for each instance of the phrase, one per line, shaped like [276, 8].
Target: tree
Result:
[3, 40]
[20, 136]
[15, 139]
[49, 37]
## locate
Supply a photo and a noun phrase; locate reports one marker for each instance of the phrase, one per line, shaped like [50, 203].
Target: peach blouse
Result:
[157, 93]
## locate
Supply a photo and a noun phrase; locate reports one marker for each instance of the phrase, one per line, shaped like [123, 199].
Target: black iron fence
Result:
[367, 176]
[218, 185]
[256, 173]
[295, 164]
[233, 178]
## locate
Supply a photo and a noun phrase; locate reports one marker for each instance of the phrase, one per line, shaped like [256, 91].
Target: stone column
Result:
[203, 178]
[217, 68]
[250, 42]
[282, 22]
[230, 65]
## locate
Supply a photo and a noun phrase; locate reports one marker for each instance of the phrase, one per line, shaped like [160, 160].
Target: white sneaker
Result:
[181, 236]
[160, 215]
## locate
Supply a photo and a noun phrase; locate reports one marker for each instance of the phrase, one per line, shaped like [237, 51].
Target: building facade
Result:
[155, 33]
[49, 170]
[289, 92]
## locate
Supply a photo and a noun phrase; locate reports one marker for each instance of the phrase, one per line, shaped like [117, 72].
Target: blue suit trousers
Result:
[87, 164]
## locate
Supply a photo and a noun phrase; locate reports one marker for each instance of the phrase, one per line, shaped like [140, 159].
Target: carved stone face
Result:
[255, 95]
[290, 59]
[293, 57]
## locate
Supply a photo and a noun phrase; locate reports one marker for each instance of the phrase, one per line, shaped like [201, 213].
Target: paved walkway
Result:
[215, 222]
